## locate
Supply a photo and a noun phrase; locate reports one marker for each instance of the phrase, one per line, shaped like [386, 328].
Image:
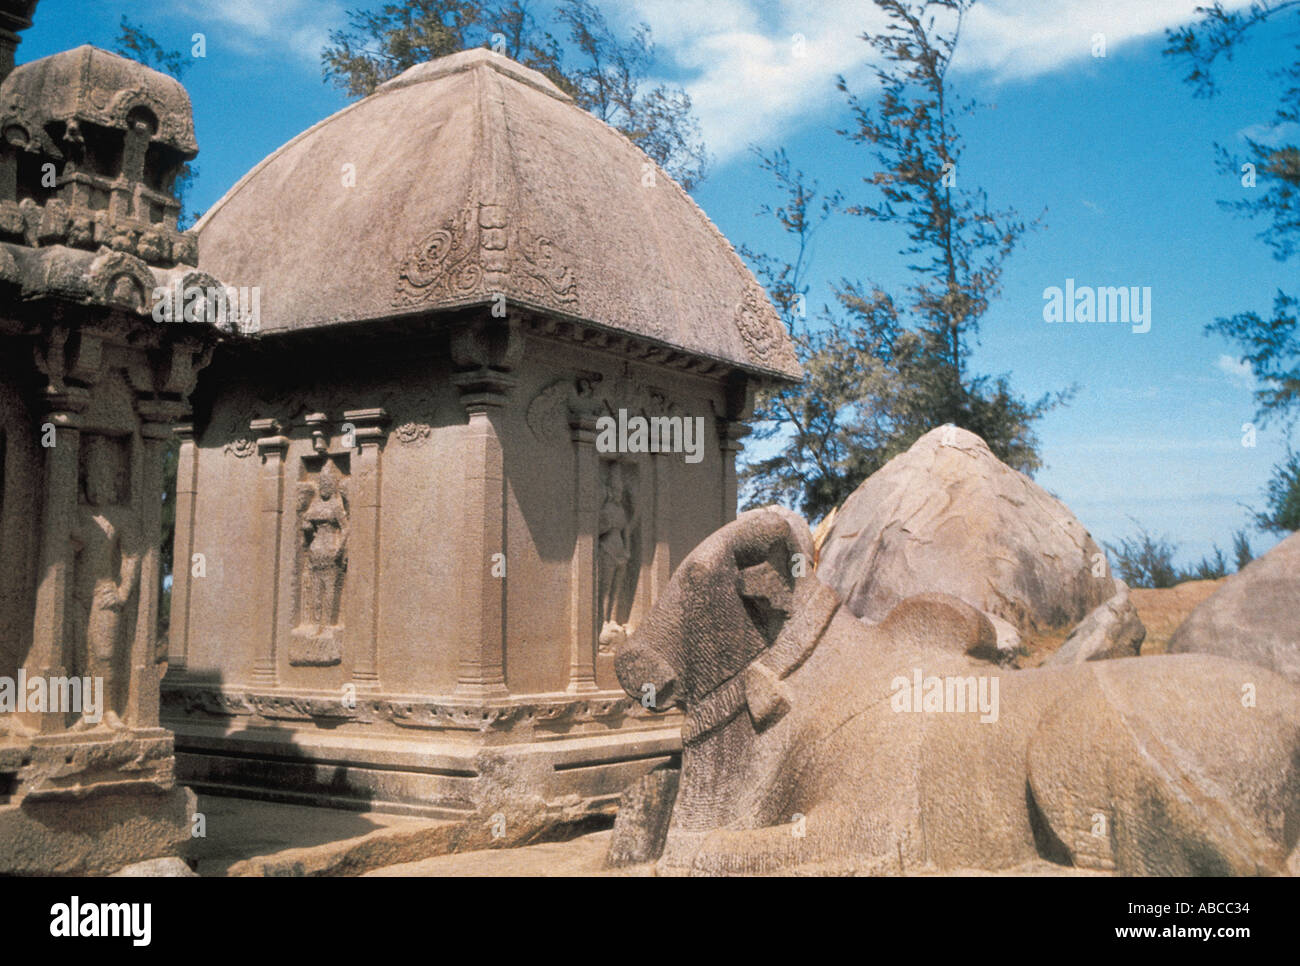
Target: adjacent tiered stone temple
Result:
[91, 384]
[420, 507]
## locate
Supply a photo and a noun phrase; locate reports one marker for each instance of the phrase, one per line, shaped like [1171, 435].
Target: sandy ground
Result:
[1163, 610]
[238, 829]
[584, 856]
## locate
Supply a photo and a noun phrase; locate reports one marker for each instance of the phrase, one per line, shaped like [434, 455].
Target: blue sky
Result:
[1115, 150]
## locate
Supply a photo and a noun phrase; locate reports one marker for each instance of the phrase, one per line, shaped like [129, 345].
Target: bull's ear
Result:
[773, 552]
[770, 533]
[764, 583]
[768, 595]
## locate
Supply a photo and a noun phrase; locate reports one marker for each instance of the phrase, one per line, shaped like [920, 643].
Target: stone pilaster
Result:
[142, 694]
[272, 449]
[178, 638]
[730, 434]
[483, 595]
[661, 567]
[584, 626]
[15, 16]
[483, 351]
[50, 623]
[364, 542]
[738, 406]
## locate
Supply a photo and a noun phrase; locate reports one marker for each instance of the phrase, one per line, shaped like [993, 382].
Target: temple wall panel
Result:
[225, 623]
[588, 536]
[420, 561]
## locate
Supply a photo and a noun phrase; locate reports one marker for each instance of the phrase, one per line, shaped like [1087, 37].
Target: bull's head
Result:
[725, 605]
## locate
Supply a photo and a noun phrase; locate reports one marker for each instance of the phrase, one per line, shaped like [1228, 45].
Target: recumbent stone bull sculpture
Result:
[796, 756]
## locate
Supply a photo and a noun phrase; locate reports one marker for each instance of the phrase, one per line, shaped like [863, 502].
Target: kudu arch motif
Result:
[793, 755]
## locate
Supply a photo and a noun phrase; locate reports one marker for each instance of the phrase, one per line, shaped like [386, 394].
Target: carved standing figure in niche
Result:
[617, 523]
[323, 525]
[107, 542]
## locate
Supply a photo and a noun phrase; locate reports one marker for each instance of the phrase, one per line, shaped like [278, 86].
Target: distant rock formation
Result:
[1254, 617]
[949, 517]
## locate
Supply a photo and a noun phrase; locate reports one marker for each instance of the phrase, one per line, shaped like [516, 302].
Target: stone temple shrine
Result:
[407, 536]
[95, 371]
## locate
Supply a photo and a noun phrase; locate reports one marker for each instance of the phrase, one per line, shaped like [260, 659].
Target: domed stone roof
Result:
[475, 177]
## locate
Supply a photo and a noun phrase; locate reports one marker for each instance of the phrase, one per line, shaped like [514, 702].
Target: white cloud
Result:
[748, 84]
[753, 73]
[742, 62]
[1025, 38]
[299, 28]
[1272, 135]
[1237, 371]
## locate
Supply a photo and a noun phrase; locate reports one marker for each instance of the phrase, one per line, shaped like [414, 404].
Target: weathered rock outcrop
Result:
[1254, 617]
[948, 516]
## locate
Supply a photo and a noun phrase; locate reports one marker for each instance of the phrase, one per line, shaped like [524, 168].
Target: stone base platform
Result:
[421, 772]
[91, 803]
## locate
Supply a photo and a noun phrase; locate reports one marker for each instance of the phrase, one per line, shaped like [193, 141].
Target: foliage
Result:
[1282, 496]
[135, 43]
[1270, 345]
[1145, 560]
[604, 73]
[1241, 549]
[1211, 568]
[884, 369]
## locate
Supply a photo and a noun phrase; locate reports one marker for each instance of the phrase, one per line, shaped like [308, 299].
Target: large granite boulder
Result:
[1254, 616]
[948, 516]
[815, 742]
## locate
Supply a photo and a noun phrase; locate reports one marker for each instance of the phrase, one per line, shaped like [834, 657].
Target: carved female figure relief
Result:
[106, 540]
[325, 534]
[323, 562]
[616, 526]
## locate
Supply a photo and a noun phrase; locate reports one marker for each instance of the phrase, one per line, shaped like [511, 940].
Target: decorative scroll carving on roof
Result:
[445, 264]
[762, 331]
[476, 249]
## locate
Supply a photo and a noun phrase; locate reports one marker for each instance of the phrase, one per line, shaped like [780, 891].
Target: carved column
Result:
[272, 449]
[50, 623]
[661, 567]
[483, 351]
[364, 540]
[178, 640]
[730, 435]
[584, 621]
[483, 595]
[737, 407]
[142, 694]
